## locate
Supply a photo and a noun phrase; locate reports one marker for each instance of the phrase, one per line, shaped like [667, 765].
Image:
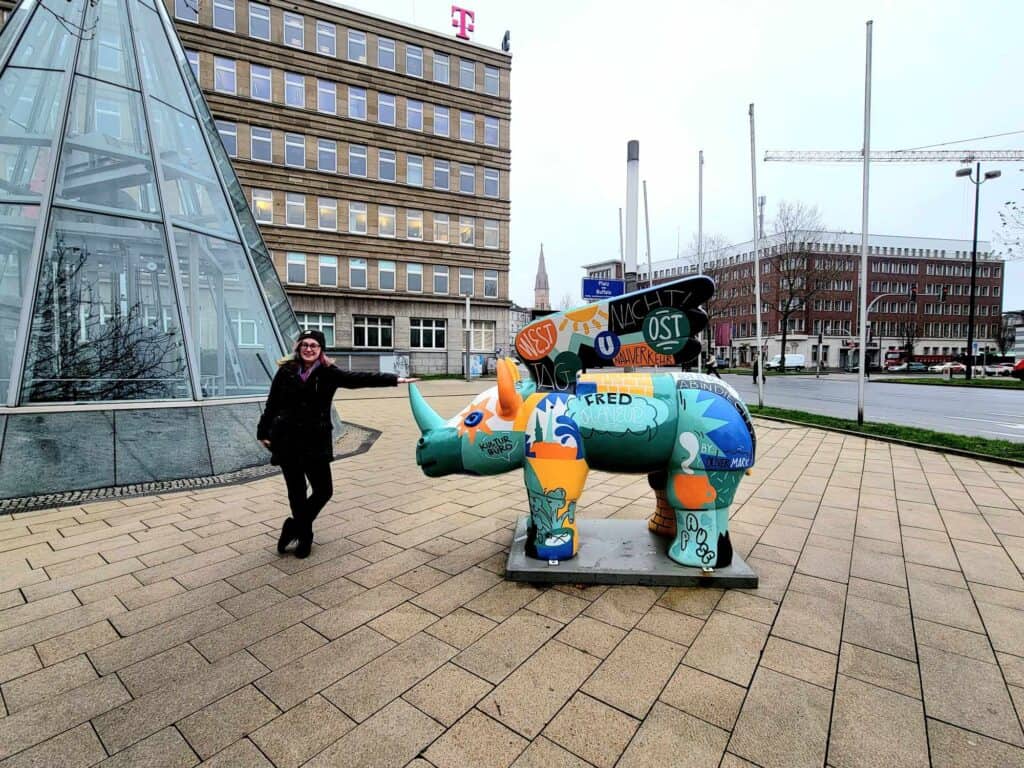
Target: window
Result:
[295, 209]
[223, 75]
[357, 218]
[259, 21]
[426, 333]
[326, 155]
[193, 61]
[357, 46]
[490, 80]
[186, 10]
[465, 281]
[356, 160]
[386, 275]
[467, 230]
[441, 127]
[414, 115]
[467, 179]
[326, 97]
[386, 221]
[357, 273]
[441, 68]
[481, 335]
[467, 75]
[491, 131]
[317, 322]
[467, 126]
[325, 39]
[329, 271]
[386, 165]
[260, 146]
[263, 206]
[441, 228]
[413, 61]
[440, 279]
[440, 174]
[414, 278]
[259, 82]
[294, 90]
[414, 225]
[294, 30]
[228, 136]
[372, 332]
[490, 233]
[224, 15]
[386, 53]
[490, 182]
[296, 269]
[357, 103]
[327, 213]
[295, 150]
[491, 283]
[386, 108]
[414, 170]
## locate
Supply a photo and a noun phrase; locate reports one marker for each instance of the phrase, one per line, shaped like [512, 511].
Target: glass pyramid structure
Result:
[131, 268]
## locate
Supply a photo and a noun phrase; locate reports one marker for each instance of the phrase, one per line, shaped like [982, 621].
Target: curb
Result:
[899, 441]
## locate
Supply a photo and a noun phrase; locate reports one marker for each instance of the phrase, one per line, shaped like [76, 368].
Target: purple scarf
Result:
[305, 373]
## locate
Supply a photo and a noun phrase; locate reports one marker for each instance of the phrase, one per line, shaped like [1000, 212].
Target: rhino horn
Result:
[509, 399]
[426, 417]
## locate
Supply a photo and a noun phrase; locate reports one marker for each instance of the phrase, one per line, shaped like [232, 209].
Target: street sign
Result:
[602, 289]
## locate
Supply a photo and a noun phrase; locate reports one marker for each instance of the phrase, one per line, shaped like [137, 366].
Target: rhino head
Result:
[482, 438]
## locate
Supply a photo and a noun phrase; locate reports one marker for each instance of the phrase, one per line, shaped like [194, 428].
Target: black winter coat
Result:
[297, 417]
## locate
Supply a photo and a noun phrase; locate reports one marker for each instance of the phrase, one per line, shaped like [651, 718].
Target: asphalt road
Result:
[993, 413]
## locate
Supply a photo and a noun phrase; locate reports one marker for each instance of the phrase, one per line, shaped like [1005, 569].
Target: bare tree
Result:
[1006, 335]
[1012, 234]
[910, 332]
[722, 300]
[797, 275]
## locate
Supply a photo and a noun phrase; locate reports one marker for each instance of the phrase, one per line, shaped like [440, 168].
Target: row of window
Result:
[293, 86]
[296, 266]
[416, 168]
[378, 332]
[293, 27]
[982, 310]
[412, 224]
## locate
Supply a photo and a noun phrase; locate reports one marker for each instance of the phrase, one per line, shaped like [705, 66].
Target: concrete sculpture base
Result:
[620, 552]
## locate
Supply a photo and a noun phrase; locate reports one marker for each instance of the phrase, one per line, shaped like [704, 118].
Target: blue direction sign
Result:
[602, 289]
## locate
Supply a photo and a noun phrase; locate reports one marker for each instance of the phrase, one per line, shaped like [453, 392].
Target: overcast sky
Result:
[589, 76]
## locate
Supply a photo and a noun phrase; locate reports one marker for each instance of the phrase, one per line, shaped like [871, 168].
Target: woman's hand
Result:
[265, 444]
[404, 380]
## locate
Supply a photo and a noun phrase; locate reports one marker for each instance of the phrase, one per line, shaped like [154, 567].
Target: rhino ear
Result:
[513, 368]
[509, 399]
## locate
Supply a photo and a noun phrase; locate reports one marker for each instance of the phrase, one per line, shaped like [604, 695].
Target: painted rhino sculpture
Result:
[691, 434]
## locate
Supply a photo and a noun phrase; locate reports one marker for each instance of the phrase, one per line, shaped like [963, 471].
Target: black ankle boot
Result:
[289, 533]
[305, 545]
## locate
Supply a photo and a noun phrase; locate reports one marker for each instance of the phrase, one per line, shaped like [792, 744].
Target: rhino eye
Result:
[473, 419]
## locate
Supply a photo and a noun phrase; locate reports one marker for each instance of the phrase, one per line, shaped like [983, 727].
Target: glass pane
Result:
[29, 102]
[9, 32]
[50, 39]
[237, 345]
[106, 53]
[105, 160]
[104, 324]
[162, 80]
[18, 224]
[192, 191]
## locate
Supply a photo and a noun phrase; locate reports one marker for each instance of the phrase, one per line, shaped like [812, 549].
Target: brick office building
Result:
[820, 277]
[375, 156]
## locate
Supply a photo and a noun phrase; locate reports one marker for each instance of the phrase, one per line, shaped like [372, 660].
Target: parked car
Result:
[722, 362]
[917, 367]
[999, 369]
[948, 368]
[794, 362]
[1018, 371]
[855, 368]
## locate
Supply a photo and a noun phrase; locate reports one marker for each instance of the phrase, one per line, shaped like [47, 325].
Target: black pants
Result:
[305, 509]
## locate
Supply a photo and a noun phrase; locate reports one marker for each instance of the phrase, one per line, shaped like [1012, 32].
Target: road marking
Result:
[989, 421]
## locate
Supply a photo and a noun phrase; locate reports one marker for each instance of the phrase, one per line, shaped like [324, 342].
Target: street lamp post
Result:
[977, 180]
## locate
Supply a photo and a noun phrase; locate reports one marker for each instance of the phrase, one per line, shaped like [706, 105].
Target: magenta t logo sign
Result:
[464, 22]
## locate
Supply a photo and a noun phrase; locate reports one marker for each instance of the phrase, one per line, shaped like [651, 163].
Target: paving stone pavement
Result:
[165, 630]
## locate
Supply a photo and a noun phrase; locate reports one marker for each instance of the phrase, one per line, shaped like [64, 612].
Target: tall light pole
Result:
[977, 180]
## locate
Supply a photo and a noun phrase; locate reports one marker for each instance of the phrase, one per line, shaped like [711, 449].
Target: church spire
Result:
[540, 285]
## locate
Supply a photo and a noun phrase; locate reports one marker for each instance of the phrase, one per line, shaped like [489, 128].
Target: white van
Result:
[794, 362]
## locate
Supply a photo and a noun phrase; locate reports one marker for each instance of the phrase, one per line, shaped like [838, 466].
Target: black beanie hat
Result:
[316, 336]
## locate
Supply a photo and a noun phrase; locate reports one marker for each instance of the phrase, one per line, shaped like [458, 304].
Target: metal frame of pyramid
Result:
[140, 310]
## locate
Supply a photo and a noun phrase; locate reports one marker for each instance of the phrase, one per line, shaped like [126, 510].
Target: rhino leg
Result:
[702, 526]
[553, 486]
[663, 520]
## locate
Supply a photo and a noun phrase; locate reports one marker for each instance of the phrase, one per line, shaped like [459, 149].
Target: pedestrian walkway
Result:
[888, 628]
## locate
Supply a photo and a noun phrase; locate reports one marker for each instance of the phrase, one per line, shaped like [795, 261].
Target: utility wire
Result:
[963, 141]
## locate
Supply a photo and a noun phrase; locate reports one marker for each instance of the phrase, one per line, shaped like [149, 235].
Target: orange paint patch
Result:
[641, 354]
[480, 426]
[693, 491]
[535, 341]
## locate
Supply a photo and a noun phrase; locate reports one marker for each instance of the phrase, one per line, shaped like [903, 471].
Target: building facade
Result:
[918, 297]
[375, 157]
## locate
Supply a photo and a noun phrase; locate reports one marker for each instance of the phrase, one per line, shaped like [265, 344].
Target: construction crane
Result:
[897, 156]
